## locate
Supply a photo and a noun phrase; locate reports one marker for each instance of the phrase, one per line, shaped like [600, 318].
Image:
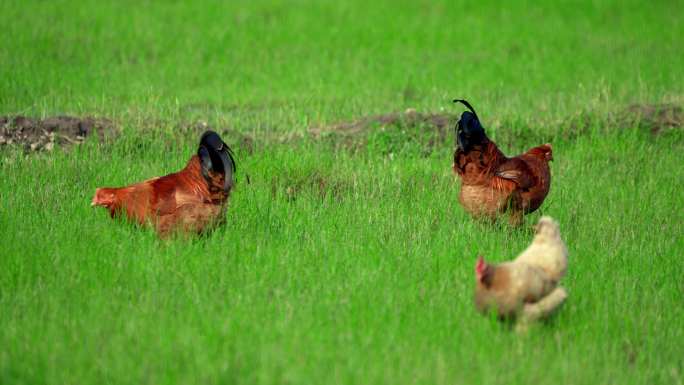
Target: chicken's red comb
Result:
[480, 266]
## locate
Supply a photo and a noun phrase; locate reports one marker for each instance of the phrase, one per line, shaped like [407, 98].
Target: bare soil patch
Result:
[392, 132]
[656, 118]
[43, 135]
[409, 131]
[235, 139]
[316, 183]
[409, 118]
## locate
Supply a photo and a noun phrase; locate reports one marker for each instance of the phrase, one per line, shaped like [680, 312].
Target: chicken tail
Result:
[465, 103]
[216, 156]
[469, 131]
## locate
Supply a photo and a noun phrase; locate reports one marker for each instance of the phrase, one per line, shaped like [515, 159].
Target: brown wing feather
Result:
[516, 170]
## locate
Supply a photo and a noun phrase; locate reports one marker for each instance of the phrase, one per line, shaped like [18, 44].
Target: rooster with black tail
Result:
[493, 184]
[191, 200]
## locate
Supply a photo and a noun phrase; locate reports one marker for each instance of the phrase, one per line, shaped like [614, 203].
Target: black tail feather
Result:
[469, 130]
[215, 155]
[465, 103]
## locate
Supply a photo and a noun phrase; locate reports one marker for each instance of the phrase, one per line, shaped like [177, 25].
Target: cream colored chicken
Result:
[527, 287]
[547, 250]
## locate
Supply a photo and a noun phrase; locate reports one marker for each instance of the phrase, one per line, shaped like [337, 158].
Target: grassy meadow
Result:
[344, 260]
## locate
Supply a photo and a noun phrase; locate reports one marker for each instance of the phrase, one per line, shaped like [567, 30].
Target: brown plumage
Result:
[515, 287]
[492, 183]
[191, 200]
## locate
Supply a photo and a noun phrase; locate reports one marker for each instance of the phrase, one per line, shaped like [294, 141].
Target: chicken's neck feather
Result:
[212, 187]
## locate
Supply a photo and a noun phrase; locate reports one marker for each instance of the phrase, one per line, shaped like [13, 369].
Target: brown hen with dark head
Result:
[492, 183]
[191, 200]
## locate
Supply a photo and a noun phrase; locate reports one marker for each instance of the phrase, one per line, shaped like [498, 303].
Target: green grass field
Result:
[339, 264]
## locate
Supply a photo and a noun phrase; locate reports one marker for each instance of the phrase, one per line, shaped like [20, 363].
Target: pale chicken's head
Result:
[547, 228]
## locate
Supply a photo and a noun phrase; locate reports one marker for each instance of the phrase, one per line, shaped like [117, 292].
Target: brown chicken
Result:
[527, 287]
[491, 183]
[191, 200]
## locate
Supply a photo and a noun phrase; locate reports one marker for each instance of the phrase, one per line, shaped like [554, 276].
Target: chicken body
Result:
[506, 287]
[547, 250]
[492, 183]
[191, 200]
[509, 288]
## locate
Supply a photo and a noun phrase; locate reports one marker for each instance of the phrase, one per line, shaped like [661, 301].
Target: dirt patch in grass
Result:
[391, 133]
[43, 135]
[312, 183]
[656, 118]
[409, 118]
[420, 133]
[234, 138]
[409, 132]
